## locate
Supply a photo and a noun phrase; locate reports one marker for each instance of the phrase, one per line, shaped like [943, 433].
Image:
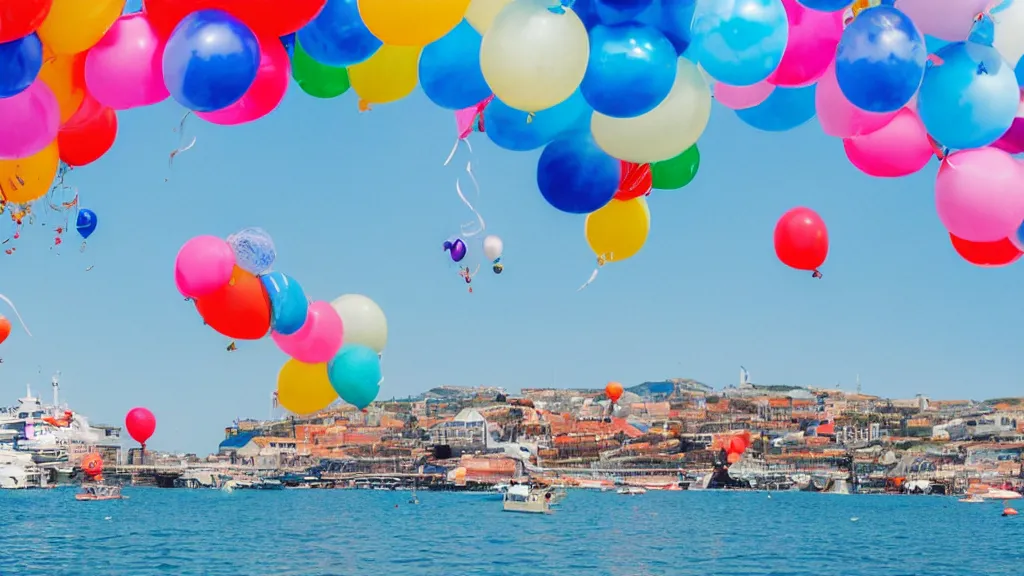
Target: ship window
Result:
[23, 415]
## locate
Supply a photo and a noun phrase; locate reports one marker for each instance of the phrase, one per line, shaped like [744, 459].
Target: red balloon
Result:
[87, 135]
[92, 465]
[635, 181]
[141, 424]
[801, 239]
[5, 329]
[20, 18]
[613, 391]
[240, 309]
[986, 254]
[265, 17]
[737, 445]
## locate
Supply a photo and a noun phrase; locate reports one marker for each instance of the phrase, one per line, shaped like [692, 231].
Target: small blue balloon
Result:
[620, 11]
[210, 60]
[970, 99]
[355, 374]
[587, 12]
[132, 6]
[631, 70]
[450, 69]
[515, 130]
[983, 31]
[288, 41]
[254, 250]
[673, 18]
[784, 109]
[86, 222]
[880, 60]
[1019, 71]
[289, 306]
[1020, 235]
[337, 36]
[576, 176]
[826, 5]
[20, 61]
[740, 42]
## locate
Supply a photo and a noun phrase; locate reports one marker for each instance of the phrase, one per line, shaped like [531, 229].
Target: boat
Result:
[631, 491]
[100, 492]
[973, 499]
[522, 498]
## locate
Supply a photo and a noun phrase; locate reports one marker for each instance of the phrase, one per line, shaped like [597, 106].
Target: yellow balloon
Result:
[65, 75]
[304, 388]
[74, 26]
[27, 179]
[389, 75]
[481, 13]
[411, 22]
[619, 230]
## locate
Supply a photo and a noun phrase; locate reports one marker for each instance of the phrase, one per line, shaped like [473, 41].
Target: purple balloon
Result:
[1013, 140]
[457, 249]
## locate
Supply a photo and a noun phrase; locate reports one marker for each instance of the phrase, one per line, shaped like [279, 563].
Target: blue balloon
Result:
[337, 36]
[576, 176]
[740, 42]
[516, 130]
[784, 109]
[970, 99]
[587, 12]
[450, 69]
[620, 11]
[254, 250]
[933, 44]
[20, 61]
[983, 31]
[826, 5]
[1020, 235]
[631, 70]
[355, 374]
[132, 7]
[1019, 71]
[288, 303]
[288, 41]
[673, 18]
[86, 222]
[210, 60]
[880, 60]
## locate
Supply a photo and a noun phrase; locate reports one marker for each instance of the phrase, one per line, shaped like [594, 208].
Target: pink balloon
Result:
[899, 148]
[979, 194]
[125, 69]
[813, 38]
[203, 266]
[318, 340]
[29, 120]
[742, 97]
[266, 91]
[840, 118]
[953, 22]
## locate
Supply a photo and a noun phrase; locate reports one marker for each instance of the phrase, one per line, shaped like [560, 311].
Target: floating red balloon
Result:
[5, 329]
[801, 240]
[613, 391]
[737, 445]
[240, 309]
[265, 17]
[20, 18]
[635, 181]
[88, 134]
[987, 254]
[141, 424]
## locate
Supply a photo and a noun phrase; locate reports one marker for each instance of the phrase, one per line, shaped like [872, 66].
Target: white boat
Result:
[631, 491]
[973, 499]
[521, 498]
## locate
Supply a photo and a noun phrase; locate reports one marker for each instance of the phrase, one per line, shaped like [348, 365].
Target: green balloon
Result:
[676, 172]
[316, 79]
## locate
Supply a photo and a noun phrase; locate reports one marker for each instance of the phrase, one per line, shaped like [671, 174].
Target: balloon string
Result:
[455, 149]
[467, 228]
[601, 261]
[181, 140]
[13, 307]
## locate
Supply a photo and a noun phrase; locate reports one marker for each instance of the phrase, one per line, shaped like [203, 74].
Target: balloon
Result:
[740, 97]
[826, 5]
[620, 11]
[740, 42]
[1018, 238]
[27, 179]
[527, 33]
[674, 173]
[732, 457]
[337, 36]
[388, 76]
[813, 37]
[304, 388]
[20, 61]
[575, 176]
[270, 17]
[969, 100]
[319, 338]
[355, 374]
[634, 181]
[316, 79]
[493, 247]
[30, 120]
[899, 148]
[880, 60]
[840, 118]
[254, 250]
[5, 329]
[411, 22]
[65, 75]
[784, 109]
[210, 61]
[19, 18]
[1007, 23]
[88, 134]
[364, 321]
[288, 41]
[456, 249]
[632, 68]
[204, 265]
[124, 69]
[86, 222]
[141, 424]
[481, 13]
[266, 92]
[665, 132]
[801, 239]
[987, 254]
[619, 230]
[979, 196]
[92, 465]
[737, 445]
[239, 309]
[953, 22]
[288, 304]
[613, 390]
[73, 26]
[520, 131]
[1013, 140]
[449, 69]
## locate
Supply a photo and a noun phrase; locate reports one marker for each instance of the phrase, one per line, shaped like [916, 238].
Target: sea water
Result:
[364, 533]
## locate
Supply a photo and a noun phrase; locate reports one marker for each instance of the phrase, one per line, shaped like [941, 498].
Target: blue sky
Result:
[361, 203]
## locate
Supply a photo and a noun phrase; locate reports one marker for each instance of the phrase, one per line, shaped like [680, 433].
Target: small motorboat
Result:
[631, 491]
[521, 498]
[973, 499]
[100, 492]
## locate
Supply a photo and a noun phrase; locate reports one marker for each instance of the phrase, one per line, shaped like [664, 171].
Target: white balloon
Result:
[534, 58]
[1008, 25]
[481, 13]
[363, 320]
[493, 247]
[665, 132]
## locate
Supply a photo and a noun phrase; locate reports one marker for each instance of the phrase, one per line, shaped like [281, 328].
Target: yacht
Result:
[522, 498]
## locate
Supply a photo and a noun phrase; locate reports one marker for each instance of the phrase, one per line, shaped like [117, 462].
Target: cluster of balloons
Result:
[493, 248]
[734, 445]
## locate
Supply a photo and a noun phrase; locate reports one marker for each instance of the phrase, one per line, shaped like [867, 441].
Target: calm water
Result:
[347, 532]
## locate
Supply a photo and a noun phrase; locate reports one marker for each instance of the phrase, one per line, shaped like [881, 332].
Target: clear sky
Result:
[361, 203]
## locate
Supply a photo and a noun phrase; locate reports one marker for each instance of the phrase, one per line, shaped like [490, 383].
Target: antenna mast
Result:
[858, 384]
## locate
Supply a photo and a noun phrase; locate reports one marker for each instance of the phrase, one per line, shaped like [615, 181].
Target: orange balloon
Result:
[27, 179]
[614, 391]
[732, 457]
[737, 445]
[241, 309]
[92, 464]
[65, 75]
[5, 329]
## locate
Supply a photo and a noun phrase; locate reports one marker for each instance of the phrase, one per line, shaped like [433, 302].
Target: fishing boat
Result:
[521, 498]
[631, 491]
[100, 492]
